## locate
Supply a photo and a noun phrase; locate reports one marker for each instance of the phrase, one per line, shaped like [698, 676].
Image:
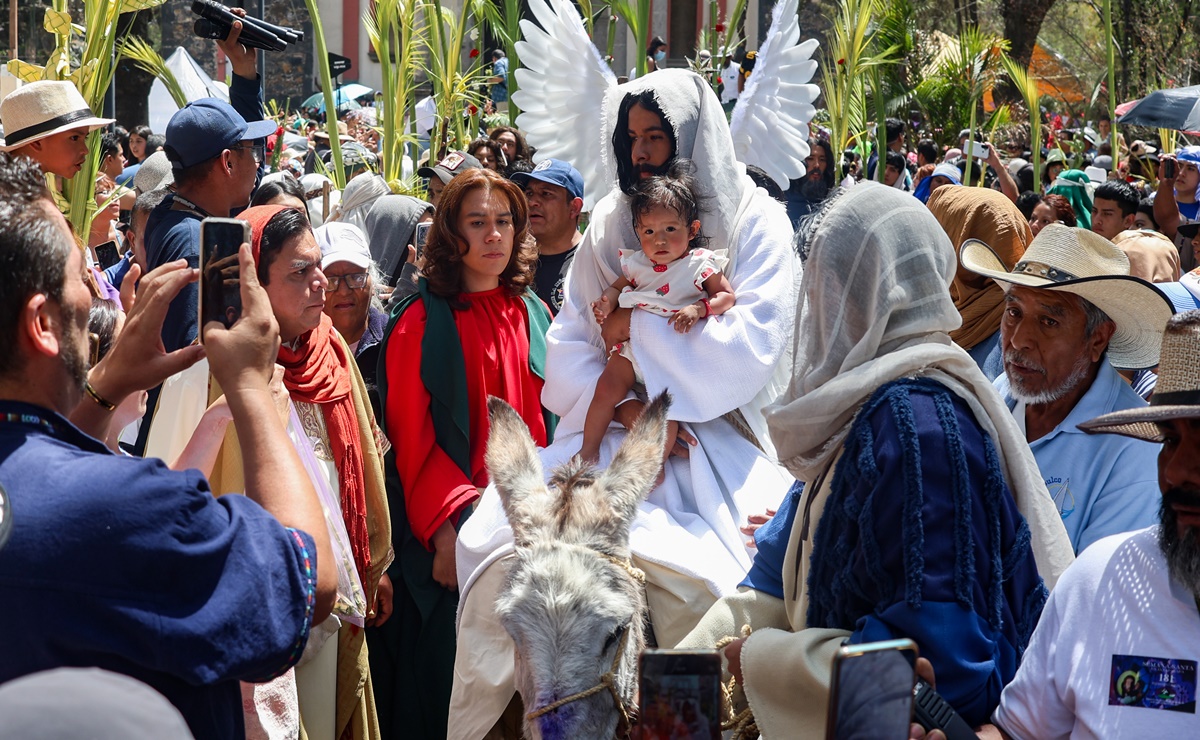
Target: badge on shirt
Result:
[1153, 683]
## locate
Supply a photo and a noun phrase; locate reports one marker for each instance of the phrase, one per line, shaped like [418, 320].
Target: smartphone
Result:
[978, 150]
[420, 236]
[220, 287]
[1168, 169]
[872, 691]
[107, 254]
[680, 694]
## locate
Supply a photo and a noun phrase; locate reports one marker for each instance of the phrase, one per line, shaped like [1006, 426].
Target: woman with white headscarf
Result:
[920, 511]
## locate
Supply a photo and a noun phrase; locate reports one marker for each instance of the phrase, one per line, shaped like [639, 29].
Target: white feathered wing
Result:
[770, 122]
[562, 86]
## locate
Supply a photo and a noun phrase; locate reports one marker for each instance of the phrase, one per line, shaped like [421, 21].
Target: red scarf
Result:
[318, 371]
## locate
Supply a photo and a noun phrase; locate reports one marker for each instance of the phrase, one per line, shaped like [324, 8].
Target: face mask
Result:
[660, 55]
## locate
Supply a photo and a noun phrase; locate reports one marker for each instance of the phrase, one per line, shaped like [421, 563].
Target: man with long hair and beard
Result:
[806, 194]
[1119, 633]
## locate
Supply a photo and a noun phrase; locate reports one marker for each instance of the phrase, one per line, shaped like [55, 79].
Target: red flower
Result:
[842, 62]
[474, 53]
[474, 110]
[720, 28]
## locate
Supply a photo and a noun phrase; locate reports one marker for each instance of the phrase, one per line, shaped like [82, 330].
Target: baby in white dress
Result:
[671, 276]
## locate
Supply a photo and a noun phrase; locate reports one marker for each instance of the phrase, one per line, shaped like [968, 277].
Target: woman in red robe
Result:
[474, 329]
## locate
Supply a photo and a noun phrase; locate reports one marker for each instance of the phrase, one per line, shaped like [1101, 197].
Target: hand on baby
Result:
[685, 319]
[601, 309]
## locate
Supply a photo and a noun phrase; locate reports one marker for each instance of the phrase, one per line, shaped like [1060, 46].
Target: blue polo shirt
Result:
[1102, 484]
[122, 564]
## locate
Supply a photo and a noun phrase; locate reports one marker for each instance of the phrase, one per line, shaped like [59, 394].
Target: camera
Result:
[216, 21]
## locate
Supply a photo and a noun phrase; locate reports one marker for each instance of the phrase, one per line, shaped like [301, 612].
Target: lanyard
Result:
[191, 207]
[30, 419]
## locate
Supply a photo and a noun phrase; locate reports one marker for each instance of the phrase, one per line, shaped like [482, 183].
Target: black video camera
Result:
[216, 21]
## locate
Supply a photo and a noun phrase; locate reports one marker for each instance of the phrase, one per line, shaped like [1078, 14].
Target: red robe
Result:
[494, 332]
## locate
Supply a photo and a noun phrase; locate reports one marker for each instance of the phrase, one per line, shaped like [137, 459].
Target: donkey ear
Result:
[632, 473]
[513, 465]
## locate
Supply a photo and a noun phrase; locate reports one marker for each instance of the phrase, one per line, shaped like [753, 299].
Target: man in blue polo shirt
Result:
[1073, 315]
[118, 562]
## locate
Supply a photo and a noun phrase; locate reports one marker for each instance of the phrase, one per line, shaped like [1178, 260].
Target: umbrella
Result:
[341, 97]
[1177, 109]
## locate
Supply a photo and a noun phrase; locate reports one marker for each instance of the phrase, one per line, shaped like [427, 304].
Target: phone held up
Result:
[220, 284]
[1168, 169]
[419, 237]
[872, 691]
[680, 692]
[107, 254]
[978, 150]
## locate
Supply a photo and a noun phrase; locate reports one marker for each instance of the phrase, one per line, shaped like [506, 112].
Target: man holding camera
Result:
[1176, 204]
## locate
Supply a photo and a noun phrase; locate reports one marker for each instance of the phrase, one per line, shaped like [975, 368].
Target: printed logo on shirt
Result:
[1153, 683]
[1064, 498]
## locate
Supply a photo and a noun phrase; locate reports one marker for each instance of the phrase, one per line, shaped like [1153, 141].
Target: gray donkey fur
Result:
[566, 606]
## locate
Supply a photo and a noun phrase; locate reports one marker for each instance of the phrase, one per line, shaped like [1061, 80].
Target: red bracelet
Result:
[707, 308]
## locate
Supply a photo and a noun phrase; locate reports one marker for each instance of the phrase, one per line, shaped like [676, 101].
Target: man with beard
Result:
[1119, 634]
[555, 193]
[1073, 316]
[806, 194]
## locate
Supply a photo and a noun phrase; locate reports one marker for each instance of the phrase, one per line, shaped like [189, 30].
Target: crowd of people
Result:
[964, 415]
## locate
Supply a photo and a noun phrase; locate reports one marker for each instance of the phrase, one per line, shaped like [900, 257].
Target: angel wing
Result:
[770, 122]
[562, 84]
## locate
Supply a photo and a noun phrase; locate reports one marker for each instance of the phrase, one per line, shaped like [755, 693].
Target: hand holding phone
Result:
[978, 150]
[1169, 168]
[680, 692]
[419, 237]
[220, 288]
[872, 691]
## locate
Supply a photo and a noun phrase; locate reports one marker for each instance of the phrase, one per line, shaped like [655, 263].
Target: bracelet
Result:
[707, 308]
[106, 405]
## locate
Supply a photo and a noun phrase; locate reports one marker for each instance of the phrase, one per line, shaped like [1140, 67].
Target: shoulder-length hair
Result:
[627, 177]
[445, 245]
[522, 145]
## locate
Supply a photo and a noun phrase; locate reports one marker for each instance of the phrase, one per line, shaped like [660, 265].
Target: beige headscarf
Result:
[1152, 256]
[989, 216]
[876, 307]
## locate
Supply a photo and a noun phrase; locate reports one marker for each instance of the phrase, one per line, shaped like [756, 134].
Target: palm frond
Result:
[145, 58]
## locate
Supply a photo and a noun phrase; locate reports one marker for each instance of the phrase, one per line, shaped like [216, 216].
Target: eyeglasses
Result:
[356, 281]
[258, 151]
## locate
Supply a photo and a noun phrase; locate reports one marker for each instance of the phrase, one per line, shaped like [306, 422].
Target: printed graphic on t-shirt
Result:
[1060, 491]
[1153, 683]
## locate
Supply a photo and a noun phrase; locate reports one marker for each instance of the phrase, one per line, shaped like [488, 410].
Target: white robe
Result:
[689, 525]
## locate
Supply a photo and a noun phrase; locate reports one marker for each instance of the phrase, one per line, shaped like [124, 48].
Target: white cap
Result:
[343, 242]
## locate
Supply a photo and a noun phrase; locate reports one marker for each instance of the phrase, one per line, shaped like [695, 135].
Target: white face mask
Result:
[660, 55]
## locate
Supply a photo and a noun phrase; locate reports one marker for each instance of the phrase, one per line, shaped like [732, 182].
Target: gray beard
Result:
[1049, 395]
[1182, 553]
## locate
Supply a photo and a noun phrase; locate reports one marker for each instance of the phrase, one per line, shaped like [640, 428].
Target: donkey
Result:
[573, 603]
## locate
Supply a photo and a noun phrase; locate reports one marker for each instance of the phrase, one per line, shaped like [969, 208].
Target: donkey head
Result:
[572, 604]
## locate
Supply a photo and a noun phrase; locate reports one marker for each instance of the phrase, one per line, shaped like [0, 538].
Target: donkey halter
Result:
[608, 680]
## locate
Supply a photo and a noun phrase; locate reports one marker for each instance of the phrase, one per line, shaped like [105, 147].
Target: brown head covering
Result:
[986, 215]
[1152, 256]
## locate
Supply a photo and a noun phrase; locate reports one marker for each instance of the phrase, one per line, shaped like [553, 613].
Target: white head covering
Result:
[876, 308]
[358, 197]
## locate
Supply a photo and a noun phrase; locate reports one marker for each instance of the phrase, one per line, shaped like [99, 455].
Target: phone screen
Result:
[872, 691]
[220, 287]
[1168, 168]
[680, 694]
[107, 254]
[420, 236]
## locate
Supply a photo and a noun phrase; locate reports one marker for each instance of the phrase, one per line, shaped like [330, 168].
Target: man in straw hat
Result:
[1073, 316]
[48, 122]
[1119, 631]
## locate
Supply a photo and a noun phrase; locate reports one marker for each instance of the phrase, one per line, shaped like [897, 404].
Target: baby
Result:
[671, 275]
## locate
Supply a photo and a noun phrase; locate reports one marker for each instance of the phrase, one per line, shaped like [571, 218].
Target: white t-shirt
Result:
[729, 78]
[1116, 646]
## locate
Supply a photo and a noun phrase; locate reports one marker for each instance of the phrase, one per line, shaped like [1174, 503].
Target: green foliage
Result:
[144, 56]
[338, 174]
[1028, 88]
[391, 28]
[636, 14]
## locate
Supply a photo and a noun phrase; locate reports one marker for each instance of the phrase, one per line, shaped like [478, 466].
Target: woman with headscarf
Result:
[358, 198]
[1074, 186]
[333, 414]
[987, 215]
[920, 512]
[474, 329]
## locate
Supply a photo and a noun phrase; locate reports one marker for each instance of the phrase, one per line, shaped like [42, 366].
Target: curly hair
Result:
[523, 151]
[491, 145]
[441, 262]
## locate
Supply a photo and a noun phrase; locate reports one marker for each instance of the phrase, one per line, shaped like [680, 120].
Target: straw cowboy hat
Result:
[1071, 260]
[41, 109]
[1177, 394]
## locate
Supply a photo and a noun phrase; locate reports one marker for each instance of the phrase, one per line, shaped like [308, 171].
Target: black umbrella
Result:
[1177, 109]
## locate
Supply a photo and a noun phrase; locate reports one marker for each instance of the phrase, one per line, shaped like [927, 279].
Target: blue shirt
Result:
[120, 563]
[500, 90]
[989, 356]
[1102, 484]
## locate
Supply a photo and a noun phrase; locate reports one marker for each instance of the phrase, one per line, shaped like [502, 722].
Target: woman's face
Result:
[137, 145]
[113, 212]
[486, 224]
[346, 306]
[486, 158]
[508, 142]
[1043, 215]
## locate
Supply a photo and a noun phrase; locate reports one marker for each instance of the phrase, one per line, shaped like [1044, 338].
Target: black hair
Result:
[102, 321]
[831, 164]
[928, 149]
[1121, 193]
[627, 178]
[154, 142]
[143, 131]
[122, 135]
[652, 47]
[518, 165]
[33, 250]
[764, 181]
[1024, 178]
[894, 128]
[678, 190]
[897, 160]
[286, 185]
[1026, 202]
[110, 144]
[282, 228]
[1146, 206]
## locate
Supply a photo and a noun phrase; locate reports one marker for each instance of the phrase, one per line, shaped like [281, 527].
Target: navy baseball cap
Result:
[205, 128]
[554, 172]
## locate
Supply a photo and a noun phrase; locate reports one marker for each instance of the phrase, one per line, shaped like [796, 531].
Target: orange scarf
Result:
[318, 371]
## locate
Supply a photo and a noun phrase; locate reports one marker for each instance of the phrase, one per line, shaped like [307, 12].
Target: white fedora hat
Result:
[1078, 261]
[42, 109]
[1177, 394]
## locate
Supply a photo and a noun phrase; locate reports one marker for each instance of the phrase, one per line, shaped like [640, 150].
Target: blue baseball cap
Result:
[205, 128]
[554, 172]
